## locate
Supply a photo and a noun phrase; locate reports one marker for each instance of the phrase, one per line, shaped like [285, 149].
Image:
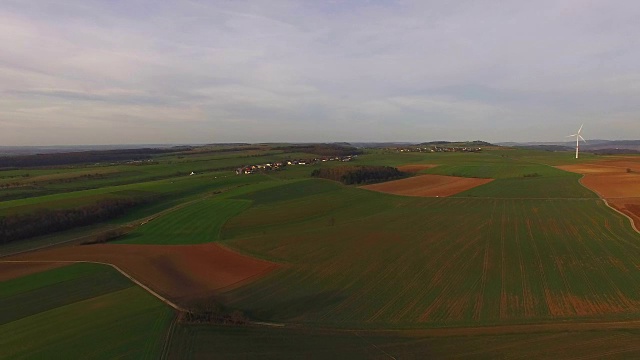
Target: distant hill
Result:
[387, 144]
[593, 145]
[547, 147]
[477, 143]
[83, 157]
[33, 150]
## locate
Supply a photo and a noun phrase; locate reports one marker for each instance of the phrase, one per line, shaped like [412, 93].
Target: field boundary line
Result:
[136, 282]
[143, 286]
[633, 222]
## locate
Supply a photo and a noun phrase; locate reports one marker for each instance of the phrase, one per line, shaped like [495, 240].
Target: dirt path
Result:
[631, 220]
[616, 183]
[146, 288]
[183, 273]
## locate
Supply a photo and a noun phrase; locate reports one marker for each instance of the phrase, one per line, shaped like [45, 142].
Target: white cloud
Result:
[315, 71]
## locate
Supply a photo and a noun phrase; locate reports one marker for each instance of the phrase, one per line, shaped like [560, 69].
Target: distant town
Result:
[278, 165]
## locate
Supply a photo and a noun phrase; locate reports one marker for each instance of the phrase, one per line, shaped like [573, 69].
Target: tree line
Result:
[359, 174]
[81, 157]
[45, 221]
[321, 149]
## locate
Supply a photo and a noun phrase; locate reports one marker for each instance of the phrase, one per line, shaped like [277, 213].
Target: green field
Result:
[207, 342]
[533, 247]
[362, 259]
[80, 311]
[194, 224]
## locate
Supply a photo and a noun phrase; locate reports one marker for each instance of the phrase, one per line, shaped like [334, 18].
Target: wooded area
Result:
[359, 174]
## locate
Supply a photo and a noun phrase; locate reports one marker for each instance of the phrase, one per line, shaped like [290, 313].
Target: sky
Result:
[149, 72]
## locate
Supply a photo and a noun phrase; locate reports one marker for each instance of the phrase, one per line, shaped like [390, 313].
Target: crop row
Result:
[442, 262]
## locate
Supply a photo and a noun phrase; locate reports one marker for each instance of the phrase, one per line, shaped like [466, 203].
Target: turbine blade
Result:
[571, 135]
[585, 141]
[580, 128]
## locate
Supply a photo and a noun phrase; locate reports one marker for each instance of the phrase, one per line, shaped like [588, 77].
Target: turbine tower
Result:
[578, 137]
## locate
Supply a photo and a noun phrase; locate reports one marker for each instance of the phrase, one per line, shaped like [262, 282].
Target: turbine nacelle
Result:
[579, 137]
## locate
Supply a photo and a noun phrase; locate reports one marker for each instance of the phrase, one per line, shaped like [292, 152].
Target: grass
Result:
[290, 191]
[52, 277]
[197, 223]
[363, 259]
[24, 296]
[42, 181]
[170, 193]
[560, 185]
[260, 343]
[80, 311]
[128, 323]
[519, 250]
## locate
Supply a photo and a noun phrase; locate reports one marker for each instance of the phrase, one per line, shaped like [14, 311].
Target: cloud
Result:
[196, 71]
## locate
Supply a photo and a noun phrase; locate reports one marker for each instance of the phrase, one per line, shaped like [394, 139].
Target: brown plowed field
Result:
[414, 168]
[428, 185]
[183, 273]
[612, 182]
[631, 207]
[10, 271]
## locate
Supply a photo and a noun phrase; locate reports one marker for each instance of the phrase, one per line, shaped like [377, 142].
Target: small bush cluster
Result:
[214, 313]
[106, 236]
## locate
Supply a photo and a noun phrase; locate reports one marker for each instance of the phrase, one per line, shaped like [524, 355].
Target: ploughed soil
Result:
[182, 273]
[414, 168]
[617, 181]
[10, 271]
[428, 185]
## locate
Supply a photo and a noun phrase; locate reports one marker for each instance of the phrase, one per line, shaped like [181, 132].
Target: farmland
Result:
[428, 185]
[528, 256]
[185, 274]
[616, 181]
[520, 260]
[194, 224]
[207, 342]
[91, 310]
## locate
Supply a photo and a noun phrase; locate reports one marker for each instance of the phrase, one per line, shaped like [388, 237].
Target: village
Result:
[279, 165]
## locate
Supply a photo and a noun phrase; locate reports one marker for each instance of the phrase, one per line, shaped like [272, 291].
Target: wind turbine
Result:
[578, 137]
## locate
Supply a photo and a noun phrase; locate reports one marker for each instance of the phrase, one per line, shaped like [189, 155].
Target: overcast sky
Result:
[127, 71]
